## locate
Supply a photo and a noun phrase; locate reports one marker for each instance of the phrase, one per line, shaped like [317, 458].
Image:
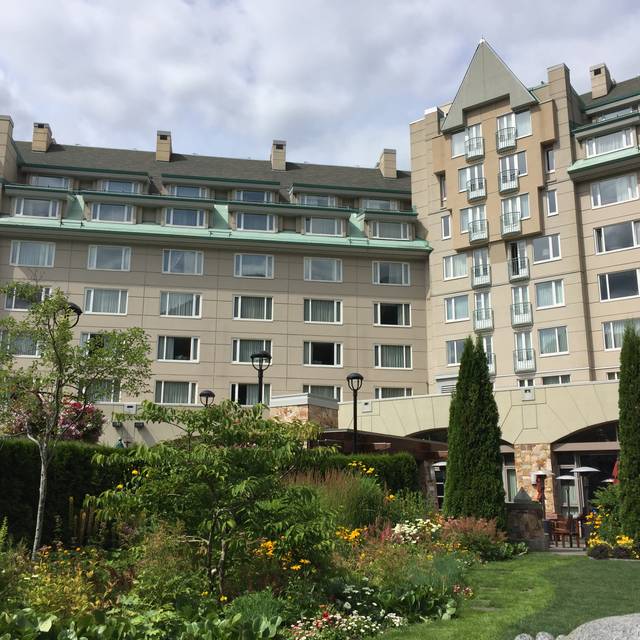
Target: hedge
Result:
[71, 473]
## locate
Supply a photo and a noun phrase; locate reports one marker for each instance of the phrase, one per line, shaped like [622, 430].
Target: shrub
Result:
[621, 552]
[12, 563]
[474, 534]
[261, 614]
[407, 505]
[599, 551]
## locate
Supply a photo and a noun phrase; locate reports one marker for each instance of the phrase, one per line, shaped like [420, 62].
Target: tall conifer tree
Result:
[474, 485]
[629, 433]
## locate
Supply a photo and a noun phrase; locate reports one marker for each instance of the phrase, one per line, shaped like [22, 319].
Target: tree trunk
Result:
[42, 496]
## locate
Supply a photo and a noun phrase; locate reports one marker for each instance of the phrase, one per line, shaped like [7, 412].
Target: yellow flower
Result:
[135, 472]
[295, 567]
[78, 549]
[370, 470]
[119, 487]
[304, 561]
[204, 594]
[223, 598]
[390, 497]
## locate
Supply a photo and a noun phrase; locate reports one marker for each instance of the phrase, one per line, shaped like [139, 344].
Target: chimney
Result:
[41, 137]
[387, 163]
[7, 155]
[601, 82]
[279, 155]
[163, 146]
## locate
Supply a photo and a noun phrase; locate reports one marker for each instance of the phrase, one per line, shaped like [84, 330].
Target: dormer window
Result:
[184, 217]
[187, 191]
[390, 230]
[607, 144]
[120, 186]
[107, 212]
[37, 208]
[378, 204]
[246, 195]
[618, 113]
[255, 222]
[51, 182]
[323, 226]
[316, 200]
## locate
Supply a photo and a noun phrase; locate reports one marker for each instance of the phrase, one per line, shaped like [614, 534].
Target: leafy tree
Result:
[50, 399]
[629, 433]
[474, 484]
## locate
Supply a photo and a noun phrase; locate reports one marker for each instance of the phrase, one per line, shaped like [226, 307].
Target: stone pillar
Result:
[528, 459]
[305, 407]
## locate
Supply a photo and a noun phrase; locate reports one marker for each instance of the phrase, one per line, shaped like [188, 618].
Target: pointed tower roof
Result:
[487, 79]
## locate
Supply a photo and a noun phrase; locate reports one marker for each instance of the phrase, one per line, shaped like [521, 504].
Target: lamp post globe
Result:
[260, 361]
[355, 380]
[206, 397]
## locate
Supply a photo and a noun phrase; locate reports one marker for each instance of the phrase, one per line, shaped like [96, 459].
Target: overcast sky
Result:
[338, 79]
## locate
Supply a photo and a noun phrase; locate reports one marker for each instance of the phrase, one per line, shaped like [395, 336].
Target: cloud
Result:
[338, 80]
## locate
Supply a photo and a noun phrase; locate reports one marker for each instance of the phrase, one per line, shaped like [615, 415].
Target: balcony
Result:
[480, 275]
[476, 189]
[510, 223]
[521, 314]
[518, 269]
[508, 181]
[491, 363]
[506, 138]
[483, 319]
[524, 360]
[474, 148]
[478, 230]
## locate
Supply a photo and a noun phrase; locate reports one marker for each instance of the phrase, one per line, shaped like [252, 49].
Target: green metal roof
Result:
[604, 159]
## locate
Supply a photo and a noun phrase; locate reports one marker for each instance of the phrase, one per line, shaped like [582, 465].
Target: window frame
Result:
[234, 389]
[554, 289]
[549, 246]
[338, 226]
[92, 252]
[199, 262]
[55, 208]
[547, 201]
[590, 144]
[193, 393]
[89, 294]
[173, 190]
[129, 211]
[269, 266]
[610, 323]
[200, 214]
[270, 218]
[365, 203]
[196, 302]
[455, 342]
[406, 314]
[33, 181]
[599, 237]
[268, 195]
[549, 153]
[237, 297]
[557, 340]
[337, 310]
[267, 345]
[407, 393]
[406, 349]
[331, 200]
[447, 217]
[451, 258]
[194, 349]
[337, 391]
[452, 308]
[16, 246]
[44, 294]
[338, 352]
[406, 271]
[405, 233]
[135, 186]
[308, 270]
[607, 274]
[633, 182]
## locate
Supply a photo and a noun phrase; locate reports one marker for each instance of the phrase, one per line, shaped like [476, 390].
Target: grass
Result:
[538, 592]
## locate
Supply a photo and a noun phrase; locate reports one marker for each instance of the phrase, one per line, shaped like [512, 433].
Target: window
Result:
[105, 212]
[175, 392]
[247, 394]
[36, 208]
[392, 314]
[549, 159]
[525, 383]
[120, 186]
[521, 121]
[103, 392]
[326, 311]
[474, 173]
[184, 217]
[457, 143]
[108, 301]
[187, 191]
[551, 202]
[614, 190]
[620, 284]
[553, 341]
[392, 356]
[323, 391]
[252, 308]
[456, 308]
[20, 346]
[550, 294]
[564, 378]
[182, 262]
[50, 182]
[178, 348]
[242, 350]
[109, 258]
[614, 332]
[445, 225]
[180, 305]
[509, 477]
[14, 303]
[612, 115]
[455, 266]
[323, 269]
[323, 354]
[26, 253]
[255, 222]
[471, 214]
[251, 265]
[323, 226]
[395, 273]
[546, 248]
[253, 196]
[454, 351]
[515, 163]
[378, 204]
[613, 375]
[615, 237]
[94, 341]
[390, 230]
[608, 143]
[517, 204]
[442, 184]
[384, 393]
[316, 200]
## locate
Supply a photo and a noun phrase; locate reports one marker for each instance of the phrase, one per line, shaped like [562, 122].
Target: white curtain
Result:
[107, 300]
[33, 254]
[255, 308]
[173, 392]
[320, 310]
[246, 348]
[544, 294]
[178, 304]
[395, 356]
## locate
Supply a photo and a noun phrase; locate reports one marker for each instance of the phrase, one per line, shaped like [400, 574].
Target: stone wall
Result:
[524, 524]
[528, 459]
[306, 408]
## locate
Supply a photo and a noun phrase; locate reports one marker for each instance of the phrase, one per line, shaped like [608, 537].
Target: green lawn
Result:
[538, 592]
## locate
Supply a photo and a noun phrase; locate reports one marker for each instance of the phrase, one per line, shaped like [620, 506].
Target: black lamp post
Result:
[354, 380]
[206, 398]
[260, 361]
[73, 310]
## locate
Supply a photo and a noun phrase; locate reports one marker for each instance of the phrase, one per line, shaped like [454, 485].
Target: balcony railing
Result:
[483, 319]
[478, 230]
[474, 148]
[521, 314]
[491, 363]
[510, 223]
[508, 180]
[524, 360]
[518, 269]
[476, 188]
[480, 275]
[506, 138]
